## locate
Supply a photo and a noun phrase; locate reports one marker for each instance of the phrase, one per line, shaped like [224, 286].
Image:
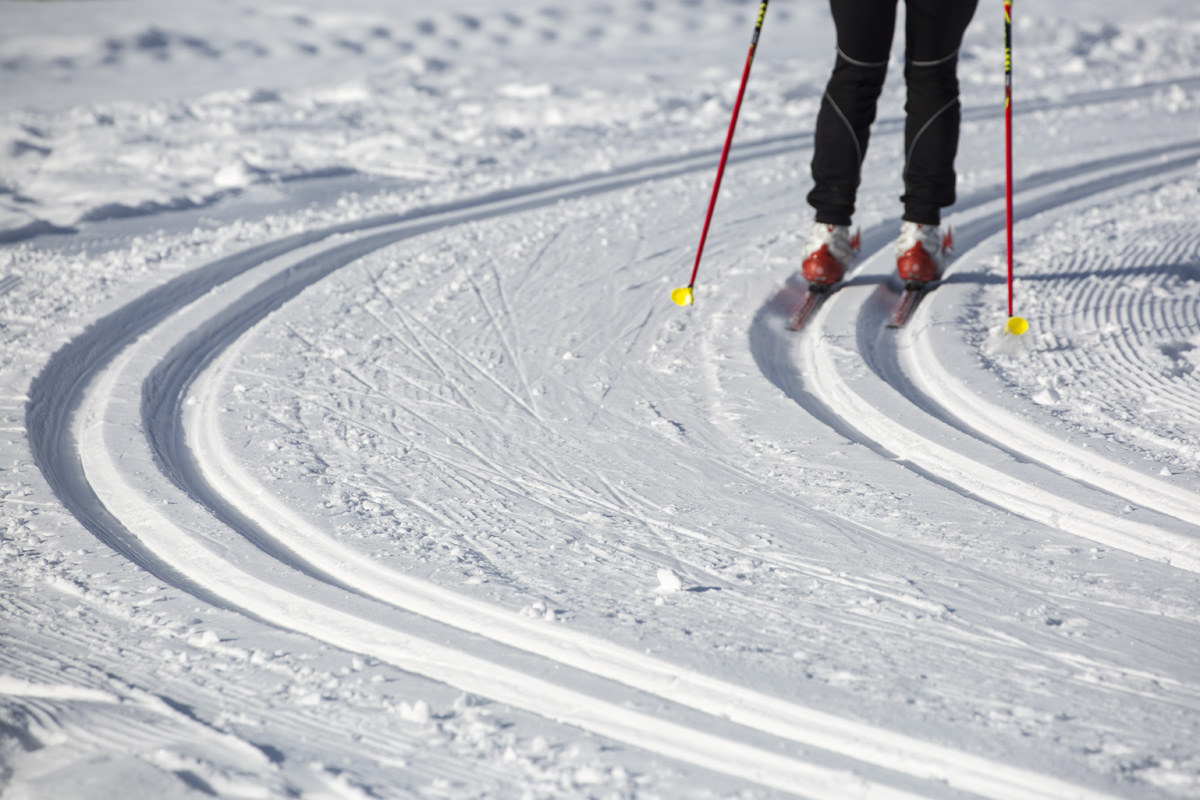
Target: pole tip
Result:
[682, 296]
[1016, 325]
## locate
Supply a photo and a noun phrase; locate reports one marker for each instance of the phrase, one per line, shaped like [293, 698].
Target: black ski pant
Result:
[933, 35]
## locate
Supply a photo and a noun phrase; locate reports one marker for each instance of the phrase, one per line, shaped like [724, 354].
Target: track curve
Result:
[907, 411]
[289, 265]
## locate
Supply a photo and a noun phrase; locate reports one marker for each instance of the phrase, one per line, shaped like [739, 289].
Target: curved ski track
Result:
[107, 426]
[910, 406]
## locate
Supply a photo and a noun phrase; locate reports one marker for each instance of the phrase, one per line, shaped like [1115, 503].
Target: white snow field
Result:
[352, 447]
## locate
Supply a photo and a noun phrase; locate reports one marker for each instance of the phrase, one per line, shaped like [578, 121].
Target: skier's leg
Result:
[864, 39]
[934, 30]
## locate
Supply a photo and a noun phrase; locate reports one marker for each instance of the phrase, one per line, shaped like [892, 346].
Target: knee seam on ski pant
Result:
[934, 63]
[849, 127]
[857, 63]
[912, 147]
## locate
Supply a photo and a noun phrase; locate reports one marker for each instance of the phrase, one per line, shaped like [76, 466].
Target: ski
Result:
[914, 291]
[813, 299]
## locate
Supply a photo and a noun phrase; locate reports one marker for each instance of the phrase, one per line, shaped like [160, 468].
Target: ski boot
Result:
[828, 253]
[921, 252]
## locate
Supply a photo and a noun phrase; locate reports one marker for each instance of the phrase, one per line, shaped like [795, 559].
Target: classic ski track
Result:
[224, 472]
[907, 388]
[920, 358]
[119, 480]
[94, 482]
[323, 556]
[118, 466]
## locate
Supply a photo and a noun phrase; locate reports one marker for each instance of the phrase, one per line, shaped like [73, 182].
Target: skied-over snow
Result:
[353, 447]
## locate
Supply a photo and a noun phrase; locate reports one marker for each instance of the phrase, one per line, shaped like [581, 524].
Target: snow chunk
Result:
[417, 712]
[1047, 397]
[234, 176]
[540, 609]
[668, 581]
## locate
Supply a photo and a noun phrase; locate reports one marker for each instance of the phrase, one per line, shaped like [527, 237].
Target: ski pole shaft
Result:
[737, 107]
[1015, 325]
[1008, 166]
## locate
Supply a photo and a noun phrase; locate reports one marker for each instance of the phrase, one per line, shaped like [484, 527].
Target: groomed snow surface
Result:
[352, 447]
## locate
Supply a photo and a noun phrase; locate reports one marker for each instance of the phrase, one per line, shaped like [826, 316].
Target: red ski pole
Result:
[683, 295]
[1015, 325]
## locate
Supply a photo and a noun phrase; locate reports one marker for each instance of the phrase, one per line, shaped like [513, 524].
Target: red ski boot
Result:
[828, 253]
[921, 252]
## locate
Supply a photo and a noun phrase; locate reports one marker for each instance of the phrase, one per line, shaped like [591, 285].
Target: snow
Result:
[351, 447]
